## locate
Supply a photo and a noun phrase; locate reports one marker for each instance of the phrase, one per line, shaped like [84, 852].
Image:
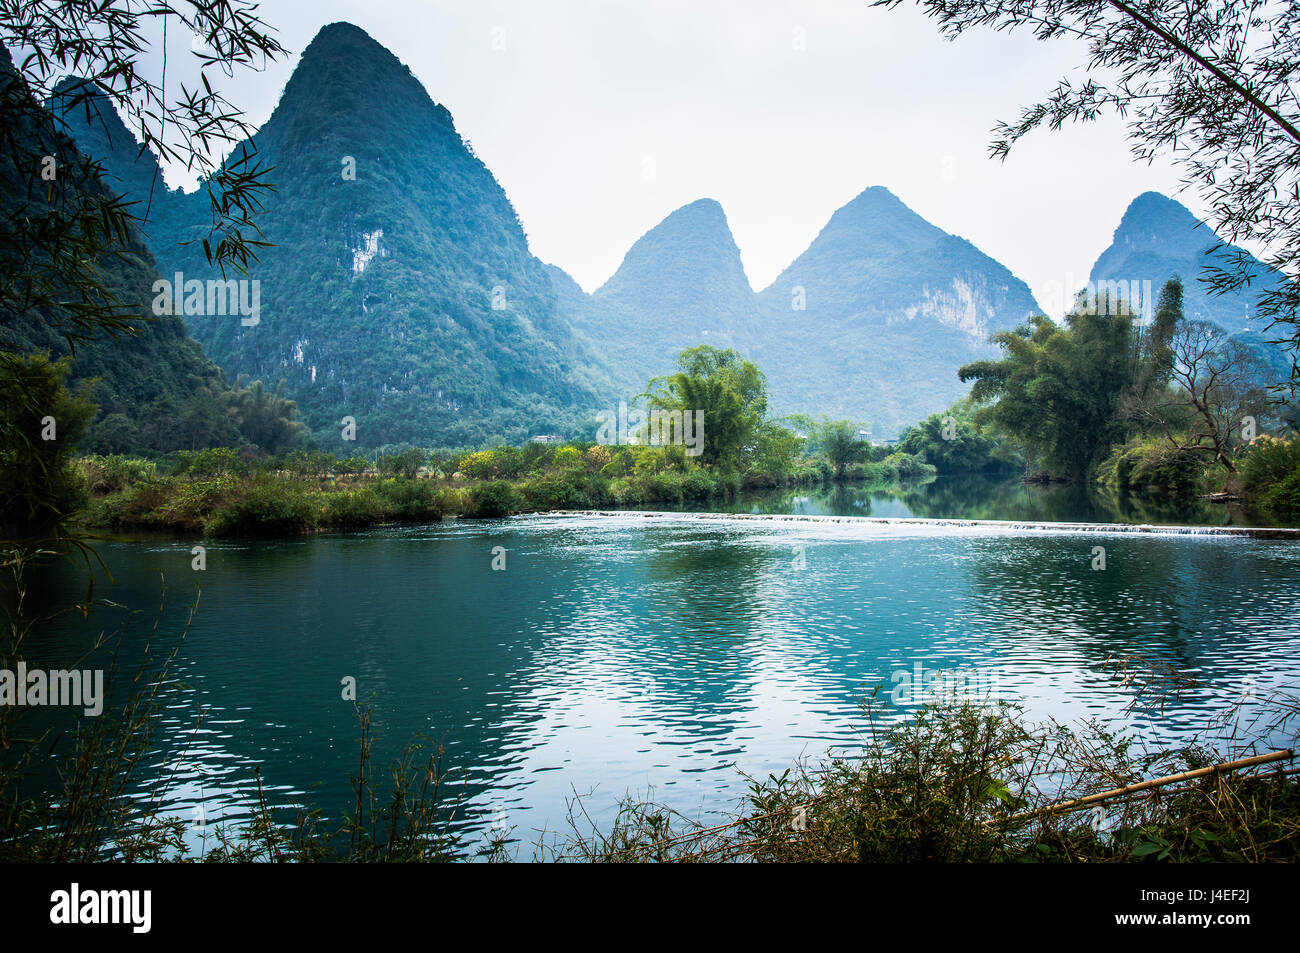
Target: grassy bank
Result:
[220, 493]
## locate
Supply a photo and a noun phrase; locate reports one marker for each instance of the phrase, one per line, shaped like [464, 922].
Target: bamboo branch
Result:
[1283, 755]
[1247, 94]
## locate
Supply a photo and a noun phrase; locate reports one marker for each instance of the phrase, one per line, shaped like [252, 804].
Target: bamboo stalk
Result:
[1283, 755]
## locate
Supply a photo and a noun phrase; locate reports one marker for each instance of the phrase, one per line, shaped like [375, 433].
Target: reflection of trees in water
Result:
[973, 496]
[708, 596]
[710, 581]
[1132, 508]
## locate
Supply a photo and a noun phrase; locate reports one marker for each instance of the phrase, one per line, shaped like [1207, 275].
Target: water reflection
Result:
[625, 654]
[972, 496]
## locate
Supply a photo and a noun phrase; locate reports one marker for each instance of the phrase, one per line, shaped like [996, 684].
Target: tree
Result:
[951, 443]
[40, 421]
[839, 441]
[105, 46]
[405, 463]
[731, 392]
[1057, 389]
[59, 223]
[1220, 379]
[776, 448]
[267, 419]
[1153, 358]
[1211, 84]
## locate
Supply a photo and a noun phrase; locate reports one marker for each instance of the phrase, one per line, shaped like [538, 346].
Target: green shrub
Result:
[480, 465]
[457, 500]
[115, 472]
[1268, 462]
[359, 507]
[621, 464]
[567, 458]
[508, 462]
[353, 464]
[1283, 498]
[1153, 467]
[627, 491]
[537, 457]
[699, 485]
[909, 467]
[812, 472]
[881, 472]
[411, 500]
[191, 502]
[568, 490]
[666, 487]
[140, 505]
[212, 462]
[267, 506]
[493, 500]
[405, 464]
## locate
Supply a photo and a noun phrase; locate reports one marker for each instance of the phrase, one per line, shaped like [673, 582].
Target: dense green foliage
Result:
[1161, 411]
[140, 383]
[1057, 389]
[729, 391]
[953, 443]
[1270, 474]
[152, 384]
[221, 491]
[1150, 465]
[40, 421]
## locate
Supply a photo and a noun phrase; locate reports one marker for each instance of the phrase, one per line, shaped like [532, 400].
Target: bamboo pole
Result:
[1282, 755]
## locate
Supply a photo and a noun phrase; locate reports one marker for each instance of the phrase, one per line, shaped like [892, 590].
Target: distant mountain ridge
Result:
[405, 295]
[1157, 238]
[871, 322]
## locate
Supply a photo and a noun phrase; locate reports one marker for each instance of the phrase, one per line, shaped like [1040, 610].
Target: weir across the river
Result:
[1010, 526]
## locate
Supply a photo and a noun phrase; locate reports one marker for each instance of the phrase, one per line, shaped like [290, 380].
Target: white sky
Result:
[714, 95]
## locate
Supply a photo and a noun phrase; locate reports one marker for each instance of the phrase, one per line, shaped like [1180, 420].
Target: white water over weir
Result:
[1006, 526]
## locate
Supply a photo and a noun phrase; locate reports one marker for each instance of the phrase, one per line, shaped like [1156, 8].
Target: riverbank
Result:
[963, 782]
[283, 504]
[215, 494]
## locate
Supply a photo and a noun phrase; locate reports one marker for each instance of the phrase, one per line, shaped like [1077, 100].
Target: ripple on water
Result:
[668, 655]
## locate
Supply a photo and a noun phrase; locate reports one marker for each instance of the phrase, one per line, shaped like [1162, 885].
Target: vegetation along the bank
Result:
[243, 491]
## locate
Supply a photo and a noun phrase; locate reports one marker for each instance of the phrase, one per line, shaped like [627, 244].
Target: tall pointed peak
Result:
[346, 39]
[1159, 237]
[700, 212]
[340, 77]
[1152, 211]
[879, 215]
[689, 243]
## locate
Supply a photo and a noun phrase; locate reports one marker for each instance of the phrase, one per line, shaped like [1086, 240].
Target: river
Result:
[663, 656]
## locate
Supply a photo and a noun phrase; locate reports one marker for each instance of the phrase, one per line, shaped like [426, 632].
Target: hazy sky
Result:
[600, 118]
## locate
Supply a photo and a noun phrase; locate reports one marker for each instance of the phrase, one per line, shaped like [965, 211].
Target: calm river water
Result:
[656, 657]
